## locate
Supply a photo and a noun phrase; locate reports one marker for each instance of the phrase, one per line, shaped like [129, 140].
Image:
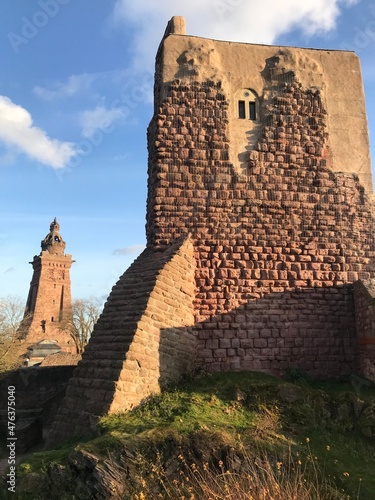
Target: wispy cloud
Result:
[84, 83]
[99, 118]
[9, 270]
[8, 158]
[258, 21]
[130, 250]
[75, 84]
[17, 131]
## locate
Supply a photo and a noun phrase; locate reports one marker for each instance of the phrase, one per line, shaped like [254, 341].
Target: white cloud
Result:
[99, 118]
[74, 85]
[17, 131]
[130, 250]
[256, 21]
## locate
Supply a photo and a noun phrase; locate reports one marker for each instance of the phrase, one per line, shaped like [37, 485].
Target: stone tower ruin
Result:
[49, 303]
[259, 221]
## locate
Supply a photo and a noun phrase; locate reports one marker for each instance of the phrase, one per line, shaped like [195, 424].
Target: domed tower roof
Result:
[53, 242]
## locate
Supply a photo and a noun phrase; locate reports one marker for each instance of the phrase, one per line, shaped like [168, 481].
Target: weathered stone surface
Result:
[281, 235]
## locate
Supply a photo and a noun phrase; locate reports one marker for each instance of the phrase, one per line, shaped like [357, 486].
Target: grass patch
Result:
[213, 401]
[40, 461]
[322, 432]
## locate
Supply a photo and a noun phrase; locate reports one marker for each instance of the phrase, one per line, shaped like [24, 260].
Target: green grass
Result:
[320, 424]
[206, 402]
[40, 461]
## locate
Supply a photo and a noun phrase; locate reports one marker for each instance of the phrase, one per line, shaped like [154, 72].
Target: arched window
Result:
[246, 105]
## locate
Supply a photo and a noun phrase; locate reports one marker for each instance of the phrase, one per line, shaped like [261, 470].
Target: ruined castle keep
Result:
[259, 221]
[49, 303]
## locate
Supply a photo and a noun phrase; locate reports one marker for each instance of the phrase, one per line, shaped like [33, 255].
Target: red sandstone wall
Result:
[277, 243]
[312, 329]
[287, 219]
[163, 347]
[364, 296]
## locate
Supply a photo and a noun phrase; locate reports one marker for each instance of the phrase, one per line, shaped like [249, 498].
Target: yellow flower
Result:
[346, 474]
[328, 447]
[307, 440]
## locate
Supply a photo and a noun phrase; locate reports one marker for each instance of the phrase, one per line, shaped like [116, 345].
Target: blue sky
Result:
[75, 102]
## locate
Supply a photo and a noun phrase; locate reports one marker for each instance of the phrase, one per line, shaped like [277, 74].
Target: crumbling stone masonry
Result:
[260, 214]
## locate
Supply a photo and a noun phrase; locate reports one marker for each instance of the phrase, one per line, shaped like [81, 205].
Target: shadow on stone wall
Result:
[38, 393]
[364, 296]
[312, 329]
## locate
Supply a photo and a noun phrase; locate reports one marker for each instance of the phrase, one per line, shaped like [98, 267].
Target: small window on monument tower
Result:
[247, 104]
[252, 111]
[241, 110]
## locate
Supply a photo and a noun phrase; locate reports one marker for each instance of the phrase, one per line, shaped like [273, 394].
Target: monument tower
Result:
[49, 303]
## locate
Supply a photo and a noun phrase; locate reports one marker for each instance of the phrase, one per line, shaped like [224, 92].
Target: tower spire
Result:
[53, 242]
